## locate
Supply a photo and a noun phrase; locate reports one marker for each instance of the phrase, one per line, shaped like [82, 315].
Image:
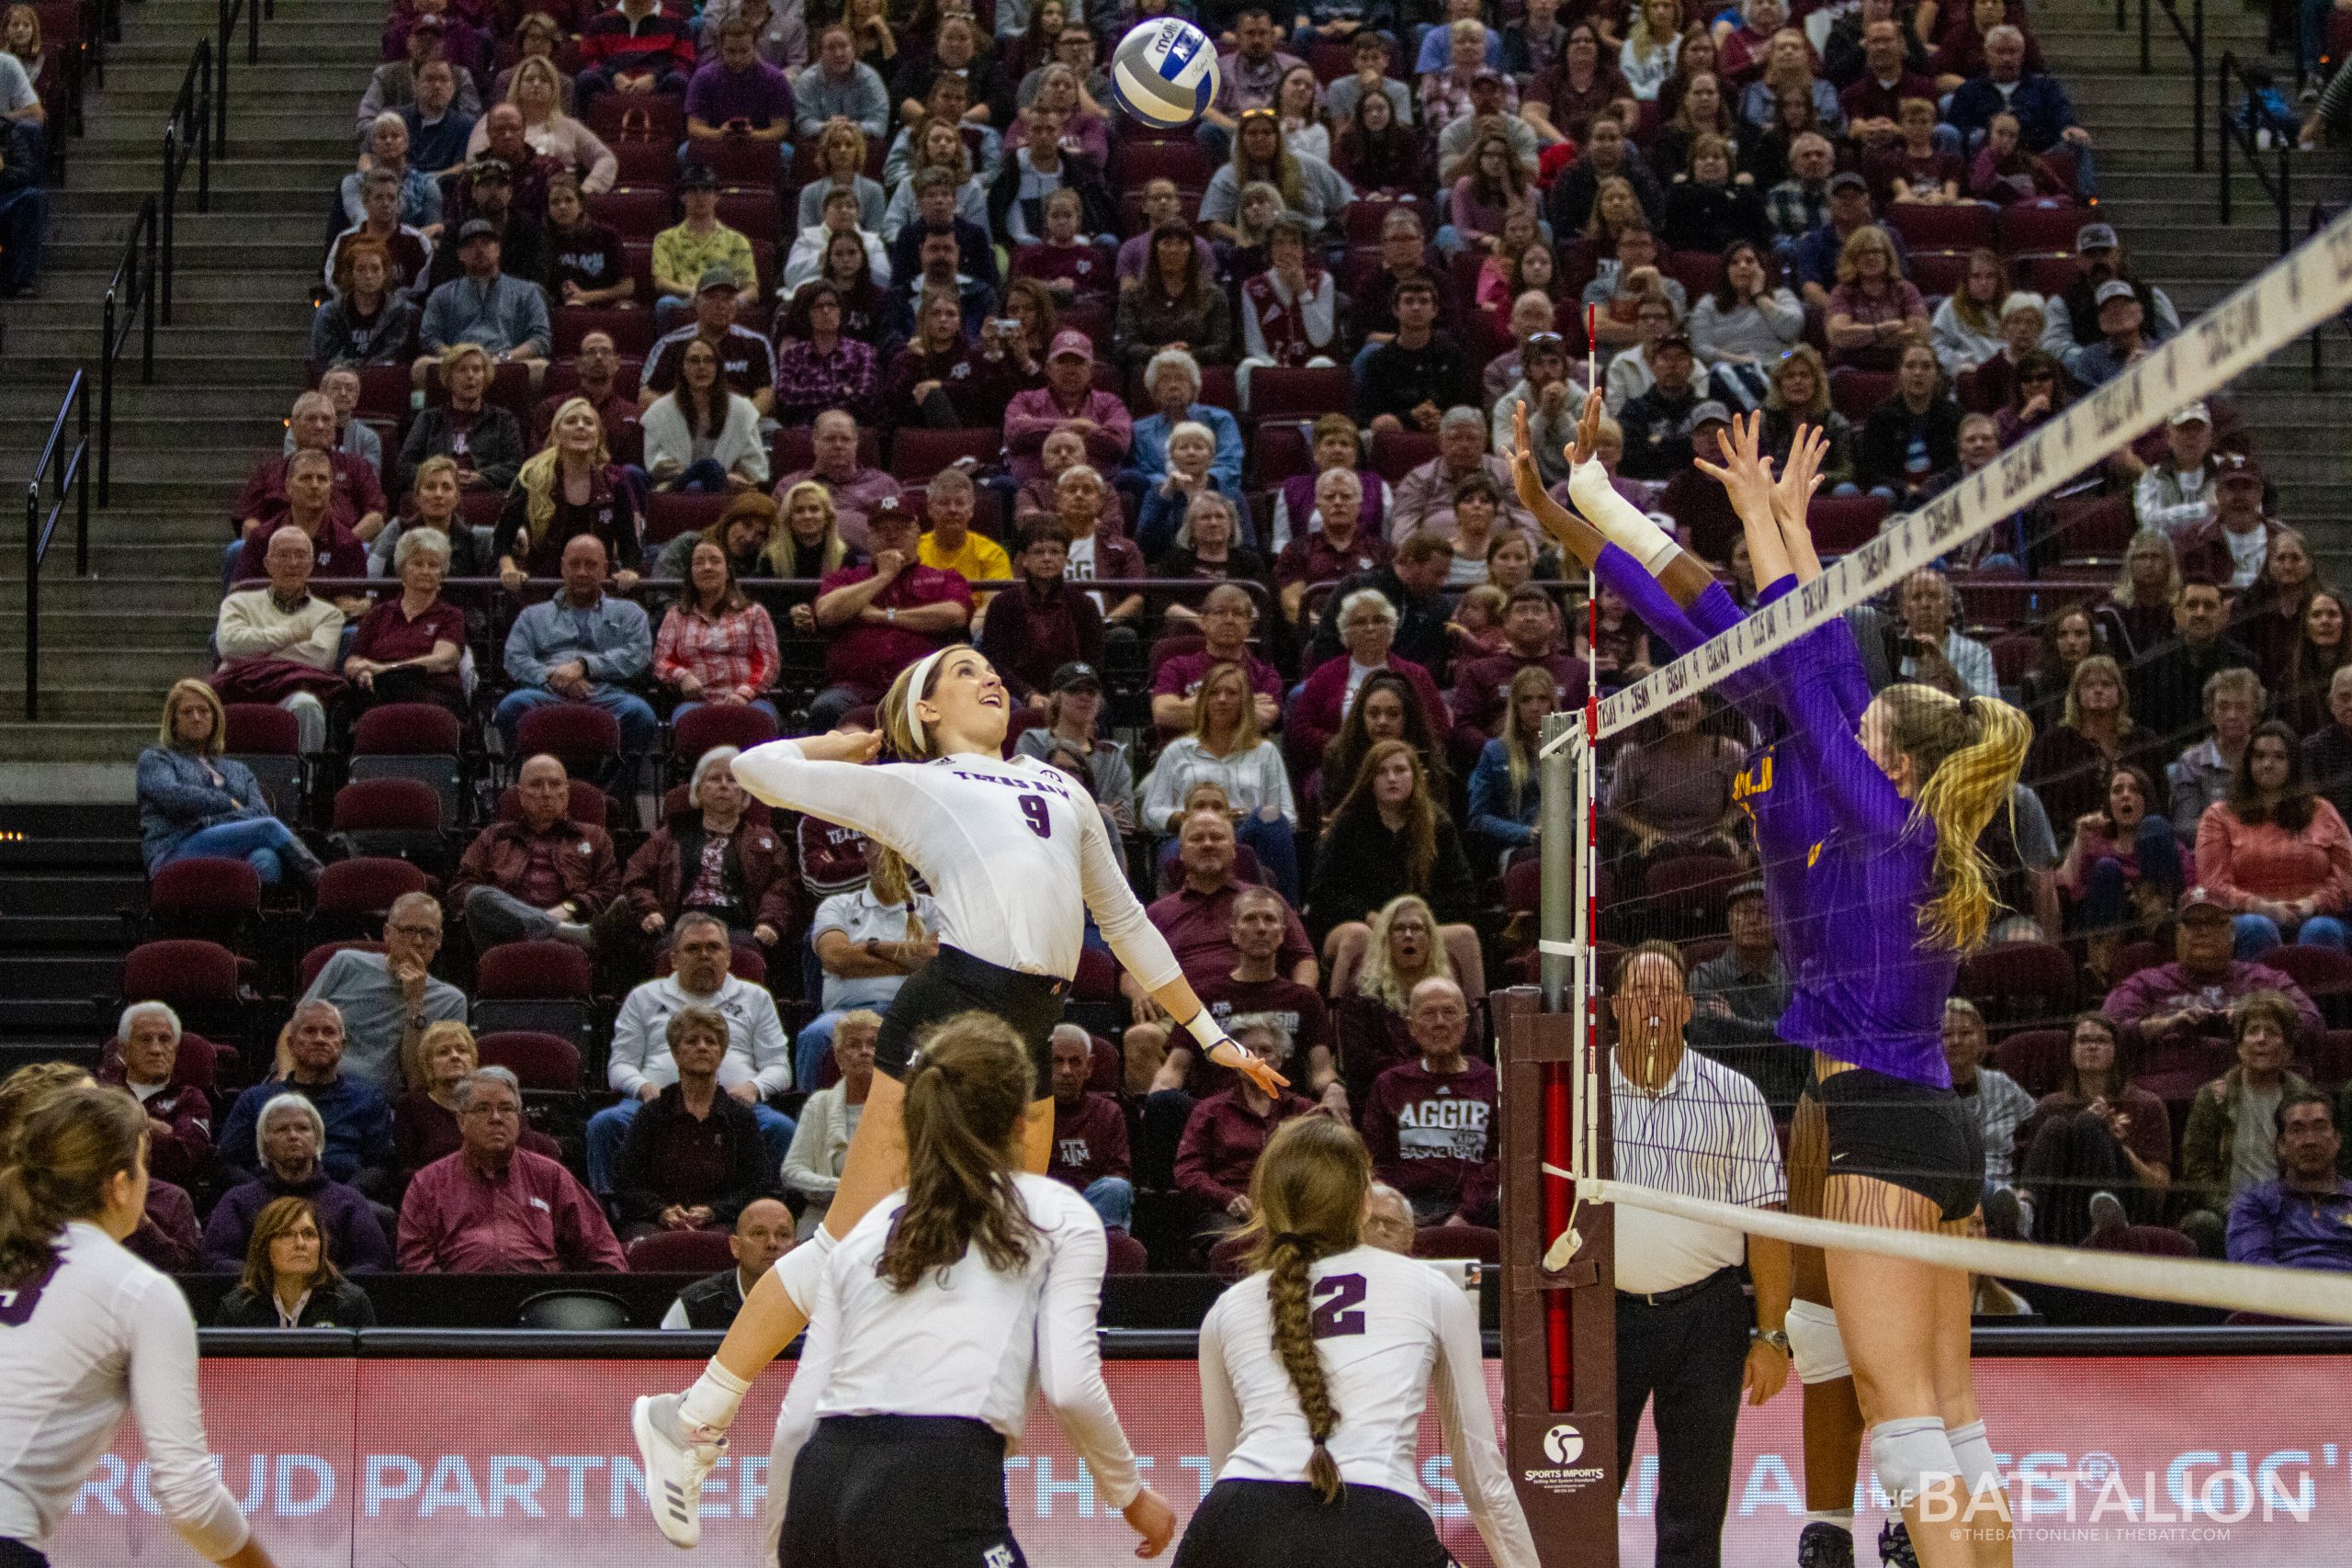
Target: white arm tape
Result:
[1620, 521]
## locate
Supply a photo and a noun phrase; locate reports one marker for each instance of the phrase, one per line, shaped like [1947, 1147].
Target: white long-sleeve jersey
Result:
[1011, 850]
[100, 1332]
[967, 1341]
[1387, 1328]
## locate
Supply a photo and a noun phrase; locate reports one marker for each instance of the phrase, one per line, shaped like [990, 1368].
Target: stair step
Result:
[90, 934]
[34, 1027]
[98, 739]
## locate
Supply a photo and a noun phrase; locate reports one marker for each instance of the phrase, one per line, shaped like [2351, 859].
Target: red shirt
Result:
[388, 635]
[1090, 1141]
[1435, 1136]
[1199, 928]
[1182, 676]
[867, 656]
[1300, 1010]
[1311, 557]
[1086, 268]
[1222, 1143]
[535, 1218]
[1482, 686]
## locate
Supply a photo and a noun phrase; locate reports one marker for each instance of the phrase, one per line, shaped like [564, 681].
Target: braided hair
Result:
[1307, 1198]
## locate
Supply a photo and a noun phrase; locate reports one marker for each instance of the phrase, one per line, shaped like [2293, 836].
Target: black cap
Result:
[1846, 179]
[1075, 675]
[490, 167]
[477, 229]
[697, 176]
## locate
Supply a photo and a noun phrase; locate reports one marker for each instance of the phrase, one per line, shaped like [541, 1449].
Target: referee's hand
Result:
[1767, 1371]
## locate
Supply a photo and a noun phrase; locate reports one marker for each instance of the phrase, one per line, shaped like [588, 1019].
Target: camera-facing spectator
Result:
[484, 438]
[1090, 1133]
[504, 313]
[291, 1282]
[763, 1233]
[694, 1156]
[285, 1141]
[388, 1000]
[856, 490]
[582, 646]
[195, 801]
[637, 48]
[2097, 1132]
[494, 1207]
[1228, 1132]
[425, 1119]
[543, 876]
[829, 1118]
[710, 858]
[355, 1116]
[179, 1115]
[881, 617]
[411, 646]
[2222, 1149]
[2302, 1217]
[1429, 1122]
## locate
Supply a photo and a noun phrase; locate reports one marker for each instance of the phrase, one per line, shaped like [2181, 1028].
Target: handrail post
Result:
[221, 75]
[147, 301]
[2196, 85]
[204, 125]
[32, 599]
[105, 402]
[252, 32]
[171, 209]
[2147, 64]
[2286, 197]
[2221, 136]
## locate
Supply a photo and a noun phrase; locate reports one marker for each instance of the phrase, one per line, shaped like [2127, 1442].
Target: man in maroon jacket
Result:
[1482, 686]
[1228, 616]
[546, 876]
[1228, 1132]
[1431, 1124]
[1044, 628]
[358, 502]
[882, 618]
[1090, 1132]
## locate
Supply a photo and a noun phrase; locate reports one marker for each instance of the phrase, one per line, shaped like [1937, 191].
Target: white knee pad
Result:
[1973, 1450]
[1910, 1454]
[1815, 1347]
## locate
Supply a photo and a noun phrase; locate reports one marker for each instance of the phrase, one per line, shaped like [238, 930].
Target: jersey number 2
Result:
[1339, 1303]
[1032, 807]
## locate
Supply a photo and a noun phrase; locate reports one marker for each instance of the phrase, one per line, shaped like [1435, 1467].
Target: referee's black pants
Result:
[1685, 1355]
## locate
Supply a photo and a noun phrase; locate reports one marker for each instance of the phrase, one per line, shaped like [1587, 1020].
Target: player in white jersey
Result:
[1314, 1374]
[1015, 856]
[933, 1319]
[88, 1331]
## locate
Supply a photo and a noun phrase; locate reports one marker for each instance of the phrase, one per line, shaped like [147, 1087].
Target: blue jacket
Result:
[1491, 815]
[1148, 455]
[177, 798]
[511, 315]
[2040, 103]
[359, 1118]
[616, 643]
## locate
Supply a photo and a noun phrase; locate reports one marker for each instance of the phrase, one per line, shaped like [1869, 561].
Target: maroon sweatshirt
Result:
[1227, 999]
[1222, 1143]
[1090, 1141]
[1435, 1136]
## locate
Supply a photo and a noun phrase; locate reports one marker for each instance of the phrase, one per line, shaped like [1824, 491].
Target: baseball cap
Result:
[2199, 902]
[1751, 888]
[2095, 237]
[477, 229]
[1544, 343]
[697, 176]
[890, 509]
[1074, 676]
[2024, 299]
[1712, 412]
[430, 22]
[1677, 336]
[1846, 179]
[488, 167]
[720, 276]
[2114, 289]
[1069, 340]
[2195, 413]
[2237, 466]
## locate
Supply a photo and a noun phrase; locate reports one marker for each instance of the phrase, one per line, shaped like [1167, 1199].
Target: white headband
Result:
[920, 678]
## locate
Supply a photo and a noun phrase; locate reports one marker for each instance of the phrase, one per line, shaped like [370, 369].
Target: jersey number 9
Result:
[1032, 807]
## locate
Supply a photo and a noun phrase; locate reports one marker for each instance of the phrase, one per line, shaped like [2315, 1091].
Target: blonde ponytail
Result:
[1968, 752]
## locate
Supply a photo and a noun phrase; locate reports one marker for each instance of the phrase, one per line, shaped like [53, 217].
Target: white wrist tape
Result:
[1620, 521]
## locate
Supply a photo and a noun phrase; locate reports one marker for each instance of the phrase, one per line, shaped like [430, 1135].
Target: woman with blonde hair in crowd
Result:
[572, 487]
[1504, 803]
[1372, 997]
[2135, 617]
[1224, 745]
[290, 1281]
[195, 801]
[841, 165]
[536, 37]
[1874, 310]
[1390, 835]
[538, 89]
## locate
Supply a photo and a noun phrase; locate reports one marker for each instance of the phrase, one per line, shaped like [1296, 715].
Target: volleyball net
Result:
[1658, 825]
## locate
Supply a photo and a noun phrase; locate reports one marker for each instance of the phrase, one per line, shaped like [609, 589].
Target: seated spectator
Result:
[940, 379]
[857, 491]
[388, 1000]
[1226, 620]
[1390, 837]
[839, 216]
[739, 96]
[2098, 1133]
[1173, 380]
[2223, 1152]
[1566, 103]
[2302, 1217]
[947, 263]
[715, 645]
[762, 1235]
[1068, 263]
[1038, 632]
[482, 437]
[940, 191]
[1335, 538]
[882, 618]
[2175, 494]
[570, 489]
[1404, 254]
[1227, 1130]
[1553, 401]
[2004, 173]
[839, 86]
[1995, 1100]
[2177, 1003]
[543, 876]
[2274, 852]
[1531, 630]
[636, 48]
[1874, 310]
[699, 436]
[1175, 304]
[1911, 166]
[2074, 763]
[282, 1141]
[506, 189]
[1429, 1122]
[393, 84]
[1424, 501]
[867, 939]
[425, 1119]
[502, 315]
[1801, 206]
[369, 320]
[179, 1115]
[277, 642]
[693, 1158]
[949, 544]
[1371, 1020]
[744, 532]
[1788, 73]
[2328, 749]
[1072, 707]
[537, 89]
[195, 801]
[587, 264]
[829, 1119]
[1820, 252]
[2201, 776]
[1224, 744]
[1313, 192]
[1929, 649]
[2176, 633]
[308, 1061]
[1503, 804]
[1912, 436]
[406, 256]
[1749, 982]
[744, 356]
[2321, 649]
[349, 435]
[496, 1208]
[597, 367]
[355, 507]
[2122, 340]
[1411, 380]
[1290, 311]
[1193, 525]
[291, 1282]
[827, 368]
[409, 649]
[1672, 789]
[2233, 548]
[1966, 328]
[306, 504]
[1959, 44]
[1090, 1133]
[1626, 266]
[1037, 167]
[2073, 313]
[582, 646]
[2045, 114]
[1661, 425]
[1197, 918]
[1369, 622]
[420, 206]
[741, 872]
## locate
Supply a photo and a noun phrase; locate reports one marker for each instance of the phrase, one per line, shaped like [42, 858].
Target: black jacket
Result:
[1361, 865]
[713, 1303]
[1098, 212]
[644, 1182]
[1886, 437]
[339, 1306]
[1420, 625]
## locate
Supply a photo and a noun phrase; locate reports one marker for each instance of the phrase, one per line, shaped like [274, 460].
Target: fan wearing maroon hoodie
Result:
[1431, 1124]
[1228, 1131]
[1090, 1132]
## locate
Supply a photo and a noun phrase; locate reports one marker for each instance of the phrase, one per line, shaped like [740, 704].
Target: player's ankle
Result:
[709, 1407]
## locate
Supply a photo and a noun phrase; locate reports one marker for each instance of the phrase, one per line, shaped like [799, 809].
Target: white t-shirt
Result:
[99, 1334]
[1014, 851]
[1385, 1327]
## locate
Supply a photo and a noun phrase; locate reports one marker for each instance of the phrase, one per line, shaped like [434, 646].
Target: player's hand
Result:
[1801, 475]
[1587, 445]
[1258, 1070]
[1767, 1371]
[1745, 474]
[1150, 1516]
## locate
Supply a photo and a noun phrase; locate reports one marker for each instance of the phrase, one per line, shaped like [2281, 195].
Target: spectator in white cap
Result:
[2176, 495]
[2123, 338]
[2073, 313]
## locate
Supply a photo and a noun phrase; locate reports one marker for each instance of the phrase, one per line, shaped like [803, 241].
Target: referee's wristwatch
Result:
[1775, 1337]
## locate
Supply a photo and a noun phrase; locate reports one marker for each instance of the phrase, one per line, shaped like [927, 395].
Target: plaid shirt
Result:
[1796, 211]
[735, 652]
[808, 383]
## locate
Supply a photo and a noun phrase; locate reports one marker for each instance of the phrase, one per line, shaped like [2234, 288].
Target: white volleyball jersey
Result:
[965, 1341]
[1014, 851]
[1386, 1330]
[100, 1332]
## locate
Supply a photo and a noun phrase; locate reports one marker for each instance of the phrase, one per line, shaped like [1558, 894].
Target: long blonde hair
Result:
[1378, 976]
[1245, 736]
[539, 65]
[57, 1160]
[535, 478]
[167, 737]
[1966, 753]
[967, 1100]
[1518, 748]
[1307, 1203]
[783, 554]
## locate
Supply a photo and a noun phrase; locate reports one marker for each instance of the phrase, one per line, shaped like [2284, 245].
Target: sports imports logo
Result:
[1563, 1445]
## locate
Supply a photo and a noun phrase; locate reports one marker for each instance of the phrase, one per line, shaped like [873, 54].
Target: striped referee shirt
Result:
[1709, 1134]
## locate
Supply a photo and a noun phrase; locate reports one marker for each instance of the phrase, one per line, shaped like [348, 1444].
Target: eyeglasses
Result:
[501, 1111]
[418, 931]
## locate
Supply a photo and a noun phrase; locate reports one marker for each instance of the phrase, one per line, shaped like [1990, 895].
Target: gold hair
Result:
[418, 1067]
[535, 478]
[65, 1148]
[1967, 755]
[167, 737]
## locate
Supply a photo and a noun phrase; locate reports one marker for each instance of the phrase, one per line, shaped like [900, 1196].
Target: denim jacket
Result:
[177, 798]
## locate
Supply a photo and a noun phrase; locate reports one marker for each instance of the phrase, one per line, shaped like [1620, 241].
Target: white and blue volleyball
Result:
[1164, 72]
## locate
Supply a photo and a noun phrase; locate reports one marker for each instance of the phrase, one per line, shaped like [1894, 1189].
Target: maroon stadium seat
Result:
[710, 725]
[1857, 392]
[181, 973]
[672, 512]
[680, 1252]
[207, 893]
[2037, 1058]
[1963, 227]
[584, 736]
[2039, 229]
[917, 452]
[362, 891]
[630, 330]
[590, 806]
[1842, 522]
[316, 959]
[533, 969]
[1478, 1242]
[638, 213]
[393, 805]
[1283, 392]
[541, 1063]
[1127, 1255]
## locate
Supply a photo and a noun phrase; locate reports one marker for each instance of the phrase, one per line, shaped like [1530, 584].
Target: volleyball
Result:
[1164, 72]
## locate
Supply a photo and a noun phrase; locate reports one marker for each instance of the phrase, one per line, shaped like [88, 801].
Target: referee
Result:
[1687, 1339]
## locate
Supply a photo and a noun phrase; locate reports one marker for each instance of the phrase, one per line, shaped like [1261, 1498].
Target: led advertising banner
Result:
[389, 1463]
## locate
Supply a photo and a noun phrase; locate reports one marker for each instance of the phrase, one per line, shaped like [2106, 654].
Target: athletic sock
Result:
[1973, 1450]
[1842, 1517]
[711, 1403]
[1618, 520]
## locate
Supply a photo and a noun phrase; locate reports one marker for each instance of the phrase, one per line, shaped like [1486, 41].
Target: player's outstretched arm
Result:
[1618, 521]
[1793, 495]
[1575, 536]
[1746, 479]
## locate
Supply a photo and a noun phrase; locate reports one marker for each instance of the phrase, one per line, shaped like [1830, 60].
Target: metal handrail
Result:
[2192, 39]
[69, 472]
[230, 12]
[133, 292]
[187, 133]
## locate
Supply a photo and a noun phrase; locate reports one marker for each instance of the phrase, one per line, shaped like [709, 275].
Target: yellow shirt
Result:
[982, 560]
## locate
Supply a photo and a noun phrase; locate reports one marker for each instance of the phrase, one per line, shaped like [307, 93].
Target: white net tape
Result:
[2270, 311]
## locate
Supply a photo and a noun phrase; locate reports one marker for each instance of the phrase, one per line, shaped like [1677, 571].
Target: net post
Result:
[1559, 915]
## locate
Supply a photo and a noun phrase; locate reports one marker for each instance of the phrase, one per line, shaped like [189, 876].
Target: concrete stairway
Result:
[224, 372]
[66, 874]
[2169, 217]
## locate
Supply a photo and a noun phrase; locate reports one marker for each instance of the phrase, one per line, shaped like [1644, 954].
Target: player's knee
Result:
[1909, 1455]
[1815, 1347]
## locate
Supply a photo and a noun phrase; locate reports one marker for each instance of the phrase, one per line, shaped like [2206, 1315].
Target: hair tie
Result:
[915, 684]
